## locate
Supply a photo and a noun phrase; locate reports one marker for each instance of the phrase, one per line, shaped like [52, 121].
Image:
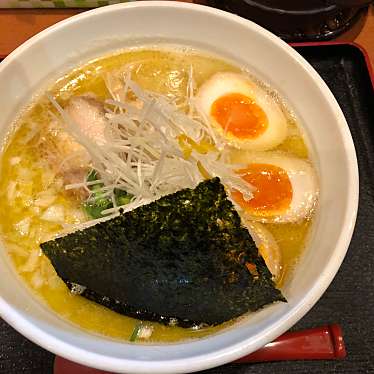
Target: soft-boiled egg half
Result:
[242, 112]
[267, 247]
[285, 189]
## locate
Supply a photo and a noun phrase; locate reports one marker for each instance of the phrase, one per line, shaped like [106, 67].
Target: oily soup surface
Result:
[28, 186]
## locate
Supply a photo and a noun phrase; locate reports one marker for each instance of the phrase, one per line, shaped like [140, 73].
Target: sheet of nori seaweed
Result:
[182, 257]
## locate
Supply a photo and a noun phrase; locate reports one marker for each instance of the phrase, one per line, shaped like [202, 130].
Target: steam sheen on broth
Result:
[36, 169]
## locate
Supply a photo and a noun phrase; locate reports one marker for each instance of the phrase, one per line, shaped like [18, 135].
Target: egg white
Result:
[302, 177]
[222, 84]
[267, 246]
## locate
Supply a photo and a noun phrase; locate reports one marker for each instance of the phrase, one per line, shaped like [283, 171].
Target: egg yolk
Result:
[273, 193]
[239, 115]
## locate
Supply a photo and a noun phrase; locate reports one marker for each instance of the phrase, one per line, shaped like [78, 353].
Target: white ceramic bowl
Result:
[47, 55]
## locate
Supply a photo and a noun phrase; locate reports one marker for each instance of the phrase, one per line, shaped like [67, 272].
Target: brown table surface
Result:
[19, 356]
[17, 25]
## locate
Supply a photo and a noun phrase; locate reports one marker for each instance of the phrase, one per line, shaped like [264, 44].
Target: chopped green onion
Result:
[135, 332]
[122, 197]
[98, 202]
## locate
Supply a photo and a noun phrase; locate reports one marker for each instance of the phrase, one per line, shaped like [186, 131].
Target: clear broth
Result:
[24, 174]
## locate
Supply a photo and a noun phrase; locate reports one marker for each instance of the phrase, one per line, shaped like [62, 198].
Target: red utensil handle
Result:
[63, 366]
[321, 343]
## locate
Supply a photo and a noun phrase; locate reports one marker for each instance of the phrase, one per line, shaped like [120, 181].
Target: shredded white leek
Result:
[142, 153]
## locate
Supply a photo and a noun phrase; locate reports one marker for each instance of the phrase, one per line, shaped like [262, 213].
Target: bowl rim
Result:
[230, 352]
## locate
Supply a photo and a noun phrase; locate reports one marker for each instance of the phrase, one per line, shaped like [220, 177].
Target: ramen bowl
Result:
[46, 56]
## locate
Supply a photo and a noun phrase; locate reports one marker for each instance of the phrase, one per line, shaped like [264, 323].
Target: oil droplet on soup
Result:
[27, 182]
